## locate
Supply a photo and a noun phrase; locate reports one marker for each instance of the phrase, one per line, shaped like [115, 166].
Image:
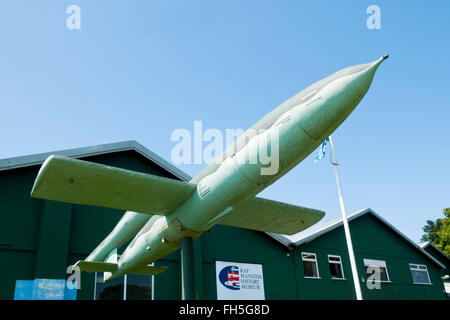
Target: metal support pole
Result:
[346, 228]
[187, 269]
[125, 287]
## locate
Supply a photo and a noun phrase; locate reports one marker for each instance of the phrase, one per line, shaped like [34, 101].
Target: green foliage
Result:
[431, 228]
[444, 233]
[438, 232]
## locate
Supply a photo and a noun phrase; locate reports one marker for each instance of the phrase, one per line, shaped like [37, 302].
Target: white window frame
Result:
[418, 269]
[311, 260]
[339, 263]
[377, 263]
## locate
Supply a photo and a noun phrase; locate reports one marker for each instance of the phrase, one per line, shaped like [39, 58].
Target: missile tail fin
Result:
[95, 266]
[149, 271]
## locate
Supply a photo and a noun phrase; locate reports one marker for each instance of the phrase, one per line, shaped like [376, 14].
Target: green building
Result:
[41, 239]
[442, 257]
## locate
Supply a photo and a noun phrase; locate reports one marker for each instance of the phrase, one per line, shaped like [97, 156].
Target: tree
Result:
[438, 232]
[431, 228]
[444, 233]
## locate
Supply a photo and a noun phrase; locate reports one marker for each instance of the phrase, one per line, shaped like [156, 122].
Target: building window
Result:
[128, 287]
[376, 270]
[336, 270]
[108, 290]
[310, 267]
[419, 273]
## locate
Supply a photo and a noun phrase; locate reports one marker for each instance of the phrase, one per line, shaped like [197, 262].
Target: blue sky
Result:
[139, 70]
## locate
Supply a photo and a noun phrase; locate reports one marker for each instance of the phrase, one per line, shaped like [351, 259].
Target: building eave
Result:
[39, 158]
[288, 243]
[426, 244]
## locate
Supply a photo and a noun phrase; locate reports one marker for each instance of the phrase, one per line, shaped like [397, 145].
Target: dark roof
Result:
[38, 159]
[297, 239]
[425, 245]
[321, 228]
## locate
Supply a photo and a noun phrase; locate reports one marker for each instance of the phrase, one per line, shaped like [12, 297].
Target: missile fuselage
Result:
[293, 130]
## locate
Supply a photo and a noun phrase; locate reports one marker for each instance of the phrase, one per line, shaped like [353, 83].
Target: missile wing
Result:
[271, 216]
[82, 182]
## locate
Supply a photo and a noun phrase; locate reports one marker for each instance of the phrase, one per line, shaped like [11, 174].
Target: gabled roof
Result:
[321, 228]
[37, 159]
[294, 240]
[426, 244]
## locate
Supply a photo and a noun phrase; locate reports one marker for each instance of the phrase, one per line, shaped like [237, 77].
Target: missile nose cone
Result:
[379, 61]
[366, 75]
[339, 98]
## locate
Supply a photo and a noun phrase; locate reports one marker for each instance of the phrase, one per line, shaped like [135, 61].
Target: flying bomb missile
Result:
[162, 211]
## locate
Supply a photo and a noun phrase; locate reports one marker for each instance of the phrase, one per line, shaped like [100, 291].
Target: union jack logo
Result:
[229, 277]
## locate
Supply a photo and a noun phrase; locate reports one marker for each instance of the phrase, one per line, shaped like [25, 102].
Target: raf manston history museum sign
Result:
[239, 281]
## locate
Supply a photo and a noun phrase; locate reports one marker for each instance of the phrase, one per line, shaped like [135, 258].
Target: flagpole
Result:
[346, 228]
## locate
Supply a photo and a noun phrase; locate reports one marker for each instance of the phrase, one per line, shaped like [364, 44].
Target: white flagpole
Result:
[346, 228]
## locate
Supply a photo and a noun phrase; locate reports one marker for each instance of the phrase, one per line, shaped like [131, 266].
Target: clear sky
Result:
[138, 70]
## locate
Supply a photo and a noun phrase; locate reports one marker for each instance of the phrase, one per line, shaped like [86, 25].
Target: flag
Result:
[322, 150]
